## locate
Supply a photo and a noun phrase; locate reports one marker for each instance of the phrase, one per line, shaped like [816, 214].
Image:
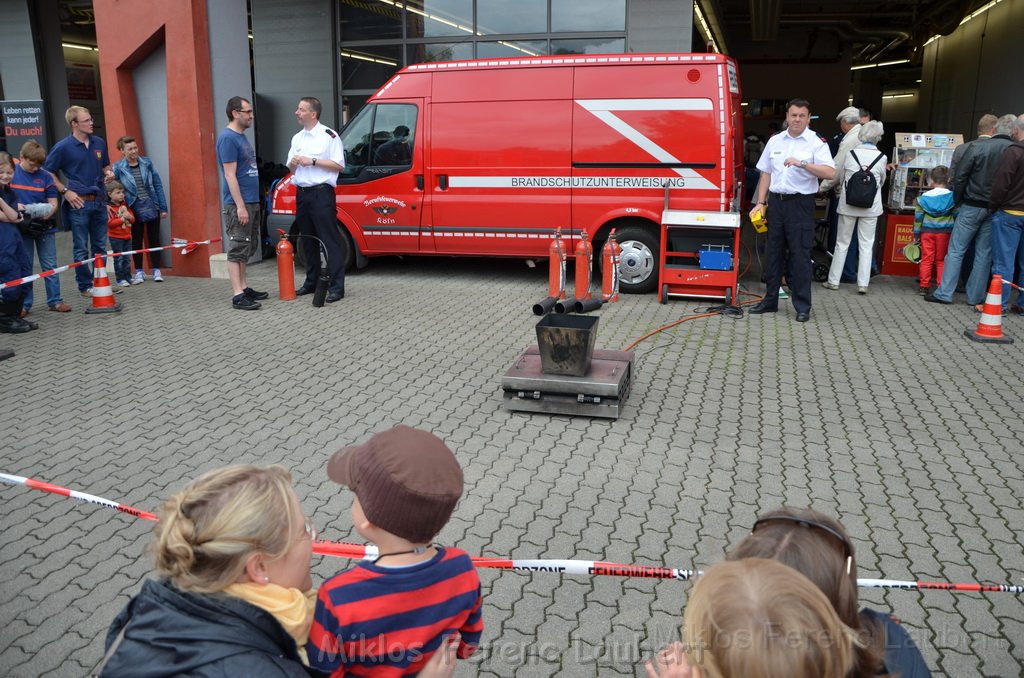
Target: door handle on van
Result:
[419, 182]
[442, 182]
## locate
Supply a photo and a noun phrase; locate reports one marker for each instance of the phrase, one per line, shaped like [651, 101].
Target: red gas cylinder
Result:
[556, 266]
[610, 254]
[285, 268]
[584, 253]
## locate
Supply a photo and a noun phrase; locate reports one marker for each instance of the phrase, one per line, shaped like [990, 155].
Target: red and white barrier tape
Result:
[579, 567]
[186, 246]
[74, 494]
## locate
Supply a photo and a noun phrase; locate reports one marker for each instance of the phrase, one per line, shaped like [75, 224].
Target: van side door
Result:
[381, 189]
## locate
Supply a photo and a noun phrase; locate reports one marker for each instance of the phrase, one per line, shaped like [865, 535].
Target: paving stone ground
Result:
[878, 411]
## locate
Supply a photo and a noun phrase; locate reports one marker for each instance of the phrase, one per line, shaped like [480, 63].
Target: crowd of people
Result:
[968, 225]
[234, 594]
[120, 204]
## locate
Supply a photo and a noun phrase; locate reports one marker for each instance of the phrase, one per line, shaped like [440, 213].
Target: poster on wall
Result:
[23, 121]
[81, 82]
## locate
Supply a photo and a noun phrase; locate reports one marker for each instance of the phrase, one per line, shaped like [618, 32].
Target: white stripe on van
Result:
[603, 110]
[621, 183]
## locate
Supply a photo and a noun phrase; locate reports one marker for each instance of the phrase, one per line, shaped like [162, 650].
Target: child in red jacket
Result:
[119, 227]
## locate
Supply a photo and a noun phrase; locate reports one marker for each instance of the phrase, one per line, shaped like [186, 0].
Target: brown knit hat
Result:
[407, 481]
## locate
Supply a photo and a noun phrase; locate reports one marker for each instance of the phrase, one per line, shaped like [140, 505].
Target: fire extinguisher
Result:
[556, 275]
[285, 267]
[610, 255]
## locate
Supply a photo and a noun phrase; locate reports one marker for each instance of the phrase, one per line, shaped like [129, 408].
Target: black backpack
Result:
[862, 185]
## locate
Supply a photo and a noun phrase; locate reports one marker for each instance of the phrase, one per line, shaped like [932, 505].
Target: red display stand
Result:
[899, 231]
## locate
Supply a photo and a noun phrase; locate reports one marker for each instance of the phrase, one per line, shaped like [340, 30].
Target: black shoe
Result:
[335, 296]
[762, 307]
[244, 303]
[254, 295]
[12, 324]
[935, 300]
[303, 291]
[803, 317]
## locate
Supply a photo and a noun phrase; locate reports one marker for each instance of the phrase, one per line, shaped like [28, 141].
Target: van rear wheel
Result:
[638, 264]
[348, 251]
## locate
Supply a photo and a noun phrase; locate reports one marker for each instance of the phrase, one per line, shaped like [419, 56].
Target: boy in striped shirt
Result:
[388, 616]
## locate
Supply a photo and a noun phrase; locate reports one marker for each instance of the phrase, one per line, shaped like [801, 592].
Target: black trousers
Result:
[790, 232]
[151, 230]
[315, 215]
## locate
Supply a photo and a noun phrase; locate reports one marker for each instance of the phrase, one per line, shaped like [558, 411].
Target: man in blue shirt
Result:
[241, 197]
[82, 157]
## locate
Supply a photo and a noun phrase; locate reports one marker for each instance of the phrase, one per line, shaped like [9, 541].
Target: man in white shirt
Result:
[316, 157]
[791, 165]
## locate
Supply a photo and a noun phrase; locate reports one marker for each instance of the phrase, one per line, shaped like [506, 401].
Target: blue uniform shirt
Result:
[83, 166]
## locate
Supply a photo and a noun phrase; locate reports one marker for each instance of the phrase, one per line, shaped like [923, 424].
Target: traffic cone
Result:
[102, 295]
[990, 327]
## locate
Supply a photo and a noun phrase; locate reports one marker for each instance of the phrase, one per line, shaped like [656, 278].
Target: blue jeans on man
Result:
[46, 247]
[1008, 250]
[89, 237]
[972, 225]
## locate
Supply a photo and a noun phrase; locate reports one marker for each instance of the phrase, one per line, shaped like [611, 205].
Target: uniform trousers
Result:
[315, 215]
[790, 234]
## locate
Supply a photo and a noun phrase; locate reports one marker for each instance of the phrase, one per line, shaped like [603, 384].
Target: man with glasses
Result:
[82, 157]
[241, 197]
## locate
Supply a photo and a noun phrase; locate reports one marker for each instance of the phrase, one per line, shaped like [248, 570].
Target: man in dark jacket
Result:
[972, 188]
[1007, 205]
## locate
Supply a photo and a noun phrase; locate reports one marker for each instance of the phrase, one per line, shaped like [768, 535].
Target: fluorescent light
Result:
[897, 96]
[884, 63]
[705, 30]
[71, 45]
[367, 57]
[977, 12]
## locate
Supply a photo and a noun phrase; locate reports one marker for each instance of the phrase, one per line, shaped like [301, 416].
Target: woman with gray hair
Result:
[866, 157]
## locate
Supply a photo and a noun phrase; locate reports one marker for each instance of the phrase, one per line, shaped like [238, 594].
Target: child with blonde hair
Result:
[757, 618]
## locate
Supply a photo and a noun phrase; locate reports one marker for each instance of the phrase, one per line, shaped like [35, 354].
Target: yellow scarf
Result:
[292, 608]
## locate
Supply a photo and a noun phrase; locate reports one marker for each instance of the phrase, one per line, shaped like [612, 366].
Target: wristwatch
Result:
[64, 190]
[803, 163]
[314, 162]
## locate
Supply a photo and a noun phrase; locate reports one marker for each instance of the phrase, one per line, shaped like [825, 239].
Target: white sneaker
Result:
[139, 278]
[123, 283]
[87, 293]
[156, 275]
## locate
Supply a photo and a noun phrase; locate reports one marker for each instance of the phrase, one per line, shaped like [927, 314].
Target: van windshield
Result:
[381, 135]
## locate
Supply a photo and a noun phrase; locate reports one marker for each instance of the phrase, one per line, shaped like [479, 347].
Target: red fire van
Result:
[487, 158]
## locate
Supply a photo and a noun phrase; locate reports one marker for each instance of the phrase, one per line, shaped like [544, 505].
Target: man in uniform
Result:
[315, 158]
[790, 166]
[241, 200]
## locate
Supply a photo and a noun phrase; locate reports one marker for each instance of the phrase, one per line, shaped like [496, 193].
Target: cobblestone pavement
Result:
[879, 411]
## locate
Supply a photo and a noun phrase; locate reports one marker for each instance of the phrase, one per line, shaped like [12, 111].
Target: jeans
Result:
[46, 246]
[970, 222]
[89, 237]
[1008, 250]
[122, 267]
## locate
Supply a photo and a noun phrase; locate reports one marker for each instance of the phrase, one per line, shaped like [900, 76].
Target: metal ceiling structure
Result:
[872, 31]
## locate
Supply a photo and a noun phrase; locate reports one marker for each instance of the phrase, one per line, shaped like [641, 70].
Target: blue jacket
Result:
[934, 212]
[154, 186]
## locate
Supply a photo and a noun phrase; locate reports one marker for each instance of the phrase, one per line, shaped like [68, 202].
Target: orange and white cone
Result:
[102, 294]
[990, 327]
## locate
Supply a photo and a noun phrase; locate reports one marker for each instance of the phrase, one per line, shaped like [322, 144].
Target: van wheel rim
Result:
[636, 263]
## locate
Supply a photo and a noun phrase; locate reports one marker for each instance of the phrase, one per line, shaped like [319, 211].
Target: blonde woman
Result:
[757, 617]
[234, 595]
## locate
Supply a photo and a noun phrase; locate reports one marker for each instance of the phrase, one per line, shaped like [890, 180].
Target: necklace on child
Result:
[418, 550]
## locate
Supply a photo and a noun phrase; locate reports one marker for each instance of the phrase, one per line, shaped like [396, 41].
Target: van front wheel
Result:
[638, 264]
